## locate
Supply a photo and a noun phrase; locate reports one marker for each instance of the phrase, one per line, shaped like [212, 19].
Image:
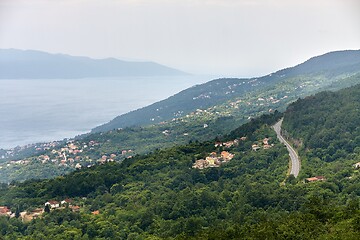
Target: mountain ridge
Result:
[32, 64]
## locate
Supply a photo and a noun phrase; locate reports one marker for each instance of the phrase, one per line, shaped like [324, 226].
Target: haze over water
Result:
[52, 109]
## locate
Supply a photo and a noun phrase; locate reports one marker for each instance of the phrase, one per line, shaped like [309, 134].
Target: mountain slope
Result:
[161, 196]
[326, 68]
[36, 64]
[325, 127]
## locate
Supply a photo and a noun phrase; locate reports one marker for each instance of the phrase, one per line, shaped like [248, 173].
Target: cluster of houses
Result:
[261, 101]
[264, 144]
[229, 144]
[51, 205]
[37, 147]
[27, 216]
[213, 160]
[71, 155]
[357, 165]
[5, 211]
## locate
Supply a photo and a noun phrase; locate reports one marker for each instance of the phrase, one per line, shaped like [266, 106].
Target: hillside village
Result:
[34, 213]
[70, 155]
[216, 160]
[213, 160]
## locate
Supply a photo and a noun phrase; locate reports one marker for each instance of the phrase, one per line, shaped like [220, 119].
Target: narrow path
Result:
[295, 161]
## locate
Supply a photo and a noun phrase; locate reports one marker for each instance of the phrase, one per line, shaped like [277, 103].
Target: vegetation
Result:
[326, 129]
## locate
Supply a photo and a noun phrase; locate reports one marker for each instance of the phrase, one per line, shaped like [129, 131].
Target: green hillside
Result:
[326, 128]
[162, 196]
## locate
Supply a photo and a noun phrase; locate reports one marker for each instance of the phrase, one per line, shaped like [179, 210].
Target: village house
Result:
[78, 166]
[357, 165]
[5, 211]
[226, 156]
[52, 204]
[315, 179]
[267, 146]
[75, 208]
[72, 146]
[66, 202]
[63, 162]
[97, 212]
[212, 161]
[255, 147]
[28, 216]
[200, 164]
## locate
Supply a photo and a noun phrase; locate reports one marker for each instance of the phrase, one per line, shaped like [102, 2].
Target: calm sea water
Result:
[52, 109]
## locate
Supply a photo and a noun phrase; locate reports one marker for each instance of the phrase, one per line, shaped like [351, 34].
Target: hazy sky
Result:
[226, 37]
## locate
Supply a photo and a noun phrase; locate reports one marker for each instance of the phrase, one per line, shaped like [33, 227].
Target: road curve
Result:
[295, 161]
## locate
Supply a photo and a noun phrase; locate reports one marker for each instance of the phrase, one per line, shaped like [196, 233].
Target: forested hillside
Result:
[326, 128]
[163, 196]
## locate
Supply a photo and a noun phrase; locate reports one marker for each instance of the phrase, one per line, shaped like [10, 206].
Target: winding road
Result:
[295, 161]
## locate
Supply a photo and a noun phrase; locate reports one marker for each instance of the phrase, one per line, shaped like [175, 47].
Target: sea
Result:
[44, 110]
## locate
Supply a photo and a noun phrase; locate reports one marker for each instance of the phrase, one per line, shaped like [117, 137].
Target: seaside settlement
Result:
[70, 155]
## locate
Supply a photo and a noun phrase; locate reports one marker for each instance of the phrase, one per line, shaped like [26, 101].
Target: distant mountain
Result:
[323, 70]
[30, 64]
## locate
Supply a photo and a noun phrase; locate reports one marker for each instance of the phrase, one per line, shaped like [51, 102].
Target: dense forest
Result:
[162, 196]
[326, 128]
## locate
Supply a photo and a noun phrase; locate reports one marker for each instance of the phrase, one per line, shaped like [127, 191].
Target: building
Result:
[53, 204]
[315, 179]
[5, 211]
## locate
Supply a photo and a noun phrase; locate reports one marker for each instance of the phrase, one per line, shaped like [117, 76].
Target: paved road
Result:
[295, 161]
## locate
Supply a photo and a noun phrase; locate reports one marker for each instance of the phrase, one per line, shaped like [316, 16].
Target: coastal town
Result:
[72, 155]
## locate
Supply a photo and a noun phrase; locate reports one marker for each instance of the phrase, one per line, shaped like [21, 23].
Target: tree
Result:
[47, 208]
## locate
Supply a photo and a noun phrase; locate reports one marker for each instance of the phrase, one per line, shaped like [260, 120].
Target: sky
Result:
[230, 38]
